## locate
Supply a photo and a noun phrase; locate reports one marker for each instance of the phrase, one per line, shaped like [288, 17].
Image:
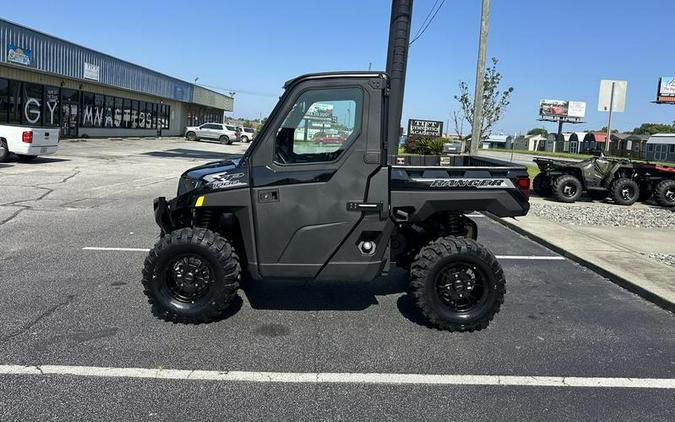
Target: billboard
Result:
[560, 109]
[425, 128]
[666, 91]
[20, 55]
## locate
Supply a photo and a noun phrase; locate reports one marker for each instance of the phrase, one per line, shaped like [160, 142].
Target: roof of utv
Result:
[327, 75]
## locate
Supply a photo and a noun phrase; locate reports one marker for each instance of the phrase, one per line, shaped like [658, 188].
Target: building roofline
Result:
[110, 56]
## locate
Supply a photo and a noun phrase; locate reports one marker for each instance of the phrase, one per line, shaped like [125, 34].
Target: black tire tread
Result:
[616, 187]
[557, 185]
[660, 192]
[541, 185]
[227, 257]
[423, 265]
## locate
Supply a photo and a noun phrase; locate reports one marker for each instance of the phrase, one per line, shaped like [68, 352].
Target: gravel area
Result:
[664, 258]
[597, 214]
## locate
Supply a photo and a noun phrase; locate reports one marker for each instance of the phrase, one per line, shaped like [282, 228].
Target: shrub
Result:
[426, 146]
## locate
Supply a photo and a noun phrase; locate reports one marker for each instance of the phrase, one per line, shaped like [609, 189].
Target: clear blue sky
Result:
[547, 49]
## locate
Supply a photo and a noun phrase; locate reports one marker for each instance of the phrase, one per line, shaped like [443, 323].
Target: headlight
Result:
[186, 184]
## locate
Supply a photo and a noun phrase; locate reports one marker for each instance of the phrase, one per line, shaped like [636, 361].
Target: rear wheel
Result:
[225, 140]
[625, 191]
[457, 284]
[542, 185]
[4, 151]
[665, 193]
[191, 276]
[566, 188]
[191, 136]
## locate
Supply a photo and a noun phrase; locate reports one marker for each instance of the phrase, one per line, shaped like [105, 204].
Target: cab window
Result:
[320, 126]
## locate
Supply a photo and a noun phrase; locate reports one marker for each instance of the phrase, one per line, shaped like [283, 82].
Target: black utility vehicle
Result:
[290, 208]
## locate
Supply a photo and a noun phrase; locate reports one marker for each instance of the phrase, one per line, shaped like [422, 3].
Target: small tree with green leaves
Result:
[538, 131]
[495, 101]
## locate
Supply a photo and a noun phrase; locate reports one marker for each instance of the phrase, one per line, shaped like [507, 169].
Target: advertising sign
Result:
[18, 55]
[618, 99]
[320, 112]
[91, 71]
[666, 92]
[425, 128]
[576, 109]
[560, 109]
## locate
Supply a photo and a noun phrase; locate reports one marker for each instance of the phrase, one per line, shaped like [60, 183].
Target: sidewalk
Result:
[618, 253]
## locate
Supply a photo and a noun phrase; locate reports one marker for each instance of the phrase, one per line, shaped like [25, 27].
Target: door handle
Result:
[270, 195]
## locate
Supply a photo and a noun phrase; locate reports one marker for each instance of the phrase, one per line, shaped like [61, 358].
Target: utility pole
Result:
[480, 76]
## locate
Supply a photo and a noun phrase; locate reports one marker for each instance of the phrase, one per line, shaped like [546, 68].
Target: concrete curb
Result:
[623, 282]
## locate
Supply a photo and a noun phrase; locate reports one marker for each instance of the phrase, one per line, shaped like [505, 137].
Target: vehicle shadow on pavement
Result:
[191, 153]
[294, 295]
[38, 160]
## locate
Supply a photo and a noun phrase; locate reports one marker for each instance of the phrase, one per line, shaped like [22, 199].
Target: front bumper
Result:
[163, 215]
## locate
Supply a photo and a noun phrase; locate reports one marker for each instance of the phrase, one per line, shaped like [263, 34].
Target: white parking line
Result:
[514, 257]
[339, 378]
[97, 248]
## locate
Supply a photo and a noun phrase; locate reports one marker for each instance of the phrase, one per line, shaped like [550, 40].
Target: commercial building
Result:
[46, 81]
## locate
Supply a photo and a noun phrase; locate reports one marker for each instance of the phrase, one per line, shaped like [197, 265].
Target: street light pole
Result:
[480, 76]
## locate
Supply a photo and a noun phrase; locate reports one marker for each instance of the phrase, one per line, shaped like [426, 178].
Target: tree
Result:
[604, 129]
[538, 131]
[652, 128]
[458, 120]
[494, 100]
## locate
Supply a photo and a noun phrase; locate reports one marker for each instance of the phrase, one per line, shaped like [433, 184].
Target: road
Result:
[290, 350]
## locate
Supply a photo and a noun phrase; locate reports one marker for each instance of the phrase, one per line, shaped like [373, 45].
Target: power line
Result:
[241, 91]
[424, 28]
[426, 19]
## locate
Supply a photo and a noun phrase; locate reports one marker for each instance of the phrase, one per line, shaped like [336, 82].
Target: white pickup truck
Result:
[26, 142]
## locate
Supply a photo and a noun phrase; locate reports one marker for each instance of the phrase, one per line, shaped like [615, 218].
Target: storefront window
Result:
[108, 112]
[87, 110]
[126, 113]
[141, 114]
[52, 116]
[167, 116]
[14, 100]
[118, 113]
[98, 110]
[155, 112]
[134, 114]
[4, 102]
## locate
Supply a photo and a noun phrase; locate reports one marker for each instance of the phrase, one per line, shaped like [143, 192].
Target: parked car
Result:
[246, 134]
[225, 134]
[26, 142]
[325, 139]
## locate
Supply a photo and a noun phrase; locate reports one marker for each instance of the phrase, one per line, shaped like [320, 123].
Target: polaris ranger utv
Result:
[343, 211]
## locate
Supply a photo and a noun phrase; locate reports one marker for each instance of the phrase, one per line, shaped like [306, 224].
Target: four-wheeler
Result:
[657, 182]
[347, 213]
[598, 176]
[225, 134]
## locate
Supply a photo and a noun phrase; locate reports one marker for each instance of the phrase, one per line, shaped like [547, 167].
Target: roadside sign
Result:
[430, 128]
[666, 91]
[616, 100]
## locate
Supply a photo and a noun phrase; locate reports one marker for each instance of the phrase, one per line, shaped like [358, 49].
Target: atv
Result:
[598, 176]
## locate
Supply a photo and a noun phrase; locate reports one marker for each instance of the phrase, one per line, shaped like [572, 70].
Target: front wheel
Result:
[457, 284]
[191, 276]
[567, 188]
[191, 136]
[4, 151]
[664, 192]
[542, 185]
[244, 139]
[625, 191]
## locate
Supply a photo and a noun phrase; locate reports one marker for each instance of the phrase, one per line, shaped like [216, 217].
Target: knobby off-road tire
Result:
[191, 276]
[541, 184]
[4, 151]
[449, 267]
[664, 193]
[624, 191]
[566, 188]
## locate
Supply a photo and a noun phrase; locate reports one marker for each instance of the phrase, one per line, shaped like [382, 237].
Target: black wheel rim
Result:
[462, 287]
[670, 195]
[627, 193]
[569, 190]
[188, 278]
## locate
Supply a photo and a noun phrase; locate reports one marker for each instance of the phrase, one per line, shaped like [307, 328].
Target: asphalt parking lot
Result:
[70, 302]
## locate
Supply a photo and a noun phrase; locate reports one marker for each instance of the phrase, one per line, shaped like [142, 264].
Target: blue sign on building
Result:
[19, 55]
